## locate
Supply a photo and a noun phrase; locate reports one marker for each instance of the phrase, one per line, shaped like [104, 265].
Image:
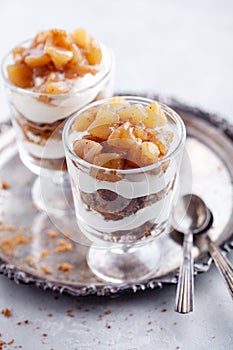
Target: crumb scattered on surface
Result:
[45, 269]
[164, 310]
[45, 334]
[150, 330]
[52, 233]
[149, 322]
[19, 323]
[6, 312]
[9, 244]
[63, 246]
[50, 315]
[10, 228]
[44, 253]
[108, 312]
[11, 342]
[64, 267]
[108, 325]
[177, 347]
[81, 279]
[69, 313]
[26, 321]
[5, 185]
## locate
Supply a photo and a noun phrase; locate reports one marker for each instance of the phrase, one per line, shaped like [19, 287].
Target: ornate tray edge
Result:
[201, 265]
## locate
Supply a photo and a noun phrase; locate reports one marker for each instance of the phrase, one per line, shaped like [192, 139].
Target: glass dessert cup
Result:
[124, 212]
[38, 119]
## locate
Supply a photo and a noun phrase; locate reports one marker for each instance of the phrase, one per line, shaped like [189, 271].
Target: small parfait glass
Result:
[123, 212]
[38, 119]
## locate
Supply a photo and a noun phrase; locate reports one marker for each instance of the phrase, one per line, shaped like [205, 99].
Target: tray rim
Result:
[202, 264]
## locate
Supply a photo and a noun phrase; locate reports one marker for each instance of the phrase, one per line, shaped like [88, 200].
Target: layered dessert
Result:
[49, 78]
[122, 175]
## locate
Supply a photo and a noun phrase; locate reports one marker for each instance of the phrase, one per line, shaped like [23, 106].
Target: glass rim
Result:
[38, 94]
[129, 98]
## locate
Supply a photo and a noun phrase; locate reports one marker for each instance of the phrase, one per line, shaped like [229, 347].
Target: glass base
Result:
[54, 196]
[120, 265]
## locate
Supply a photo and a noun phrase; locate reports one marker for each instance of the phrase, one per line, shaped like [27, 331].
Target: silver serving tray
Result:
[209, 148]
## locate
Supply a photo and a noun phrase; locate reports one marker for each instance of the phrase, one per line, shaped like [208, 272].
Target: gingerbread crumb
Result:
[63, 246]
[6, 312]
[52, 233]
[45, 269]
[26, 321]
[11, 342]
[108, 312]
[81, 279]
[44, 253]
[69, 313]
[108, 325]
[5, 185]
[19, 323]
[8, 245]
[45, 334]
[164, 310]
[64, 267]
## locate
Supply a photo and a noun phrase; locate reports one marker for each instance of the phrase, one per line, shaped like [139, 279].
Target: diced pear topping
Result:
[155, 116]
[72, 55]
[94, 55]
[122, 137]
[81, 38]
[125, 134]
[150, 153]
[58, 55]
[109, 160]
[87, 149]
[101, 126]
[20, 75]
[83, 121]
[135, 114]
[118, 102]
[57, 87]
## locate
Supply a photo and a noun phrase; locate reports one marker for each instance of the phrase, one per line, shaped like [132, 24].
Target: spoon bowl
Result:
[191, 215]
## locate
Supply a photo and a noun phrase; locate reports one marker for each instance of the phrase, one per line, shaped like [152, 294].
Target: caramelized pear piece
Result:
[122, 137]
[81, 38]
[84, 120]
[20, 75]
[36, 57]
[101, 126]
[118, 102]
[57, 87]
[94, 54]
[150, 153]
[58, 55]
[135, 114]
[155, 116]
[109, 160]
[87, 149]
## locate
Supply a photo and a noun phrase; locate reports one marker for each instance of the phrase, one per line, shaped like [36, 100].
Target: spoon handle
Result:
[184, 293]
[223, 264]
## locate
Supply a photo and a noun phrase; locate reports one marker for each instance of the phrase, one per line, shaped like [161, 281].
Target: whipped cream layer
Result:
[141, 184]
[53, 150]
[63, 106]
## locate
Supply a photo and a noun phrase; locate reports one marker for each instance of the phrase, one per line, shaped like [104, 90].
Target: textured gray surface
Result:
[179, 48]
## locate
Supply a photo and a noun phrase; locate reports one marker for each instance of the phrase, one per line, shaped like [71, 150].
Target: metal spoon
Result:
[191, 209]
[190, 217]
